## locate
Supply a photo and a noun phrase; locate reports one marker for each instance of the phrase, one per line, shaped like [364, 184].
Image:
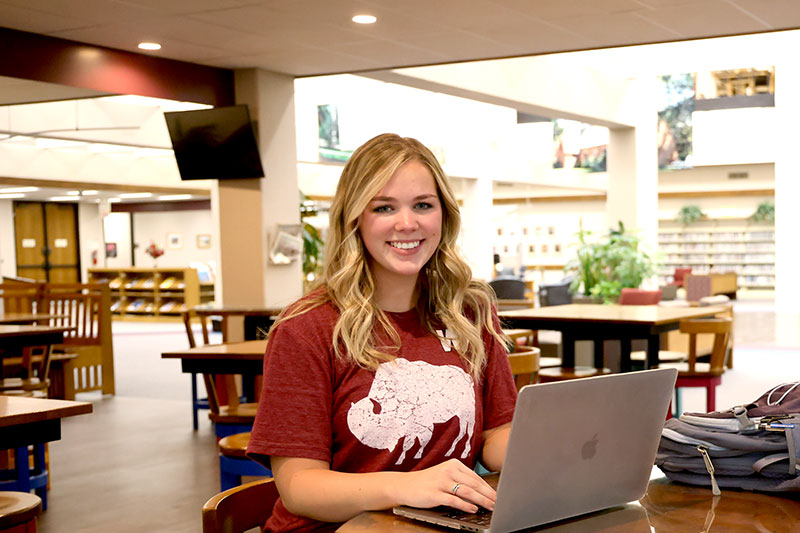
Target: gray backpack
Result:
[752, 446]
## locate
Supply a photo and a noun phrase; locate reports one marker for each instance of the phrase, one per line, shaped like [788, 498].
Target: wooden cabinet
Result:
[720, 245]
[153, 291]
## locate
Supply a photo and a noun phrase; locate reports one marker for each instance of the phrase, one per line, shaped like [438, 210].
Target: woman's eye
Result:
[424, 205]
[382, 209]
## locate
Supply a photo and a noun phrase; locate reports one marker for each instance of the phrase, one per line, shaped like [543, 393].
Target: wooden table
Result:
[26, 421]
[246, 358]
[15, 337]
[667, 507]
[27, 318]
[598, 322]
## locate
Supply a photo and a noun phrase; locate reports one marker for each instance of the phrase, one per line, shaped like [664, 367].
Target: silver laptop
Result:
[576, 447]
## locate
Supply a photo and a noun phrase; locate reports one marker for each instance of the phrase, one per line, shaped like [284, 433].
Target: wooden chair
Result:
[234, 463]
[696, 374]
[33, 372]
[197, 403]
[234, 417]
[241, 508]
[524, 362]
[676, 346]
[18, 512]
[86, 307]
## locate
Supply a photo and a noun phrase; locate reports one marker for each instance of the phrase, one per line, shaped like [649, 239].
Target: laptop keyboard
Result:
[482, 518]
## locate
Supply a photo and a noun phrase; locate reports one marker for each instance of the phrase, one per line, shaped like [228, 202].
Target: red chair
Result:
[630, 296]
[679, 277]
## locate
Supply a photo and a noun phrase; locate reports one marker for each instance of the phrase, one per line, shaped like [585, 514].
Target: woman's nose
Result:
[406, 220]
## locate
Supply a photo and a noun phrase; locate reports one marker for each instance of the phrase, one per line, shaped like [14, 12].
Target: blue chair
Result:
[21, 478]
[234, 463]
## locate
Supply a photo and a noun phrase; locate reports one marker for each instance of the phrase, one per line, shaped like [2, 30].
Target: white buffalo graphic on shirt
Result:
[406, 399]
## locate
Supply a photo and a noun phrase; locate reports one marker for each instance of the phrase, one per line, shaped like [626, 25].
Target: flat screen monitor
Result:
[216, 143]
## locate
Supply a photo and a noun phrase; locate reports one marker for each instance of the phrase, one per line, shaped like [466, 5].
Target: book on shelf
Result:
[136, 305]
[116, 305]
[149, 283]
[115, 283]
[168, 283]
[167, 306]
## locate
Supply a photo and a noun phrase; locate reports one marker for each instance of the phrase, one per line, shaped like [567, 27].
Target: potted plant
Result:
[689, 214]
[765, 212]
[604, 267]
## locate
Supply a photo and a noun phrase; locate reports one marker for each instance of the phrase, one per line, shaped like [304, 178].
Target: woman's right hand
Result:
[434, 486]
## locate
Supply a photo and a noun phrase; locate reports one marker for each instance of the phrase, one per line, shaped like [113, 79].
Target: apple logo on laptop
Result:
[589, 448]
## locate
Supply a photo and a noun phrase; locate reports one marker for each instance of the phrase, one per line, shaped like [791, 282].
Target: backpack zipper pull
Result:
[710, 467]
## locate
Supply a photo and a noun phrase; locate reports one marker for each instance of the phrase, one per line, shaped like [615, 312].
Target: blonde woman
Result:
[386, 384]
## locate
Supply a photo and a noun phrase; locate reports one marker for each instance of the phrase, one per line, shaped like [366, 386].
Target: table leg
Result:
[625, 355]
[567, 350]
[653, 345]
[599, 355]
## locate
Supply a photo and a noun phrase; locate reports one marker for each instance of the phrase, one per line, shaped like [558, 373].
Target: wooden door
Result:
[47, 241]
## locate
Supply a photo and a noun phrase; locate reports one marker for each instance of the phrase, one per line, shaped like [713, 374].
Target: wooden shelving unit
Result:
[153, 291]
[730, 244]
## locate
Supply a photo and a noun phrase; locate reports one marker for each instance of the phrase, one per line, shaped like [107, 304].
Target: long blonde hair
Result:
[447, 293]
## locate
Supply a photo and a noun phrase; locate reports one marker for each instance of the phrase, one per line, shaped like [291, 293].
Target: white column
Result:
[476, 227]
[247, 212]
[787, 193]
[633, 167]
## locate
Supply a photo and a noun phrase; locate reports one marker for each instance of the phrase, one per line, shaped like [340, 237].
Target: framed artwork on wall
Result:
[203, 240]
[174, 241]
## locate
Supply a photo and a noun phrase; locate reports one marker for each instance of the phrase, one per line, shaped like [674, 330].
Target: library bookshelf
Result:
[153, 291]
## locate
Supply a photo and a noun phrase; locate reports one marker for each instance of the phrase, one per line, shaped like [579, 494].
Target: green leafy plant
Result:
[689, 214]
[313, 247]
[604, 267]
[765, 212]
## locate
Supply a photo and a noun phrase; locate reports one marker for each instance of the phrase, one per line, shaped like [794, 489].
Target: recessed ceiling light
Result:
[88, 193]
[73, 193]
[136, 195]
[149, 46]
[114, 200]
[364, 19]
[8, 190]
[169, 197]
[11, 195]
[63, 198]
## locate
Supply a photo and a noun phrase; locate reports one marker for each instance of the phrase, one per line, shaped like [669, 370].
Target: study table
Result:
[246, 358]
[667, 507]
[26, 421]
[599, 322]
[27, 318]
[13, 338]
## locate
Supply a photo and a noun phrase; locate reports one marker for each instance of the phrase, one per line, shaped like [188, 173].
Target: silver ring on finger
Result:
[455, 488]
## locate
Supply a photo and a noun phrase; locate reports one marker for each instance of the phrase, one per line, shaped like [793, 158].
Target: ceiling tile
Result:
[778, 14]
[559, 9]
[715, 17]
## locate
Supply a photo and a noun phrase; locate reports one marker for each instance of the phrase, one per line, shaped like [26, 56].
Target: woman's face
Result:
[402, 225]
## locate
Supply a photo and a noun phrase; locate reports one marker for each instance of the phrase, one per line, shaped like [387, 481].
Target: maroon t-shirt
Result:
[412, 413]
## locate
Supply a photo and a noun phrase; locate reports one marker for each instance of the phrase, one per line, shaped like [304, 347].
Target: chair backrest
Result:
[508, 288]
[19, 297]
[555, 293]
[668, 292]
[630, 296]
[241, 508]
[721, 328]
[697, 286]
[524, 361]
[187, 317]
